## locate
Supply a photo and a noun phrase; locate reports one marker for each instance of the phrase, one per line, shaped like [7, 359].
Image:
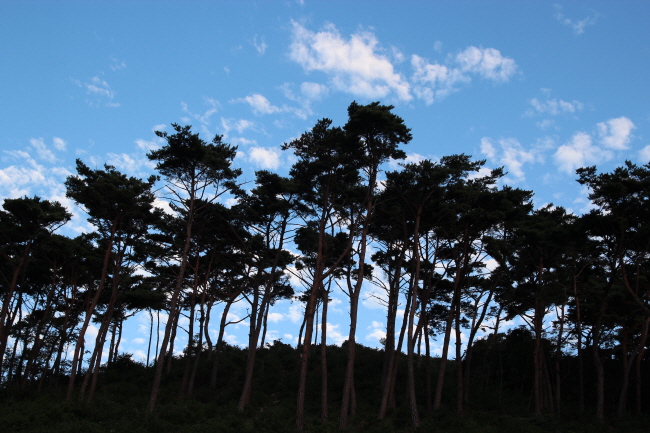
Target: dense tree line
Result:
[458, 252]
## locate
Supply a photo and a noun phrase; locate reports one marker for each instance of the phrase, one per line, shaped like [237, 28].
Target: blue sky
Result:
[541, 88]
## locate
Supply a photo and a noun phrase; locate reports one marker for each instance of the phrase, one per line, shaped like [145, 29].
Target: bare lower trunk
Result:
[626, 373]
[217, 349]
[78, 353]
[459, 364]
[323, 358]
[310, 309]
[346, 406]
[443, 358]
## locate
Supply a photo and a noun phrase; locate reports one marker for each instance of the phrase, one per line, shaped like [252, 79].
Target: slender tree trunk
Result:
[99, 345]
[428, 367]
[170, 353]
[206, 328]
[398, 352]
[459, 363]
[581, 374]
[626, 373]
[639, 359]
[4, 323]
[415, 417]
[445, 350]
[538, 357]
[389, 345]
[558, 358]
[173, 304]
[78, 357]
[305, 349]
[354, 306]
[150, 335]
[199, 347]
[38, 342]
[189, 351]
[217, 348]
[323, 356]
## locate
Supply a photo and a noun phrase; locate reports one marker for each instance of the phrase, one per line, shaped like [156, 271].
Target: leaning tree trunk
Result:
[77, 358]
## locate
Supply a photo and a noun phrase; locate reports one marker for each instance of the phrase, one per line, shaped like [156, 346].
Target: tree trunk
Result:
[445, 350]
[217, 349]
[173, 305]
[626, 373]
[4, 323]
[459, 363]
[323, 356]
[78, 357]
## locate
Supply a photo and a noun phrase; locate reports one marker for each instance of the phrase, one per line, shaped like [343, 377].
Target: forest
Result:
[456, 251]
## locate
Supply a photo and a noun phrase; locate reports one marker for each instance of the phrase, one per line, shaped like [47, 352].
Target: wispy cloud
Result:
[434, 81]
[42, 152]
[260, 45]
[204, 118]
[259, 104]
[553, 107]
[117, 64]
[578, 26]
[59, 143]
[238, 125]
[99, 91]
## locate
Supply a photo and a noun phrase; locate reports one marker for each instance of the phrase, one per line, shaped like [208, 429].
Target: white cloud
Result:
[265, 157]
[146, 146]
[511, 154]
[376, 298]
[23, 175]
[260, 46]
[275, 317]
[313, 90]
[578, 26]
[377, 332]
[99, 87]
[213, 107]
[42, 151]
[334, 335]
[487, 62]
[138, 340]
[59, 143]
[487, 148]
[240, 141]
[259, 104]
[239, 125]
[230, 338]
[296, 313]
[117, 65]
[644, 154]
[411, 158]
[355, 65]
[545, 124]
[376, 335]
[435, 81]
[135, 165]
[99, 90]
[615, 133]
[554, 106]
[579, 152]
